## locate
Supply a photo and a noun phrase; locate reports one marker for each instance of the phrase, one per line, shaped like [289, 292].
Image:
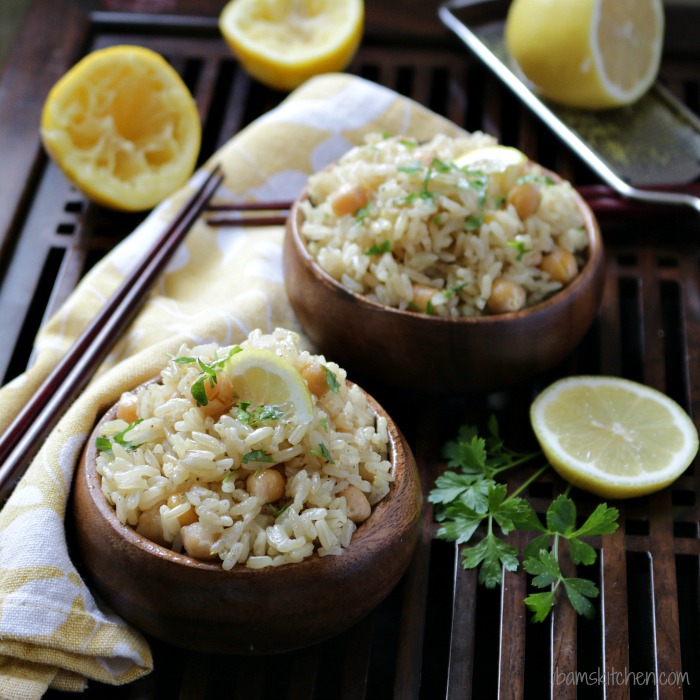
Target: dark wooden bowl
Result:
[200, 606]
[434, 354]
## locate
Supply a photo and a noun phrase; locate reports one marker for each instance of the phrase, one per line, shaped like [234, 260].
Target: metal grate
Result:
[439, 633]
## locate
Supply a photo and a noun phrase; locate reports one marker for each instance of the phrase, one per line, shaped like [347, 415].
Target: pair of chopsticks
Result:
[22, 439]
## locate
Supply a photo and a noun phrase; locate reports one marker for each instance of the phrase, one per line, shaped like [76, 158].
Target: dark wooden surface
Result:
[438, 634]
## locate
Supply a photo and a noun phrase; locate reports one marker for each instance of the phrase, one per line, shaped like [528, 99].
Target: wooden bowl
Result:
[434, 354]
[200, 606]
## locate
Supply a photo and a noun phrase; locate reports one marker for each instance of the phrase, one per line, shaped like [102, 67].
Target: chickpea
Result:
[506, 296]
[560, 265]
[126, 408]
[315, 376]
[219, 396]
[149, 525]
[366, 474]
[267, 485]
[422, 294]
[189, 516]
[525, 198]
[359, 508]
[198, 541]
[349, 199]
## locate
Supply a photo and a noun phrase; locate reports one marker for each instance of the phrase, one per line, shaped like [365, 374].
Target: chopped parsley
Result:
[244, 414]
[362, 213]
[473, 223]
[520, 247]
[411, 168]
[379, 248]
[323, 452]
[104, 444]
[332, 381]
[256, 456]
[207, 373]
[453, 290]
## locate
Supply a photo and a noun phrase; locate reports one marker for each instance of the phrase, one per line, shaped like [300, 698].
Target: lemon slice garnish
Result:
[591, 54]
[123, 127]
[613, 437]
[491, 159]
[282, 43]
[265, 379]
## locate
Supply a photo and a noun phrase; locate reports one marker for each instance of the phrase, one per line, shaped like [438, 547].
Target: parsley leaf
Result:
[379, 248]
[332, 381]
[323, 452]
[473, 223]
[207, 373]
[493, 555]
[256, 456]
[104, 444]
[520, 247]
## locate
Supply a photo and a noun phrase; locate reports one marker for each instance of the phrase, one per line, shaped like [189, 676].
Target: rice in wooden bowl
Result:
[181, 533]
[448, 266]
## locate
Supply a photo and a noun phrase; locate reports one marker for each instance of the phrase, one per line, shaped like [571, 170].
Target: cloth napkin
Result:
[221, 284]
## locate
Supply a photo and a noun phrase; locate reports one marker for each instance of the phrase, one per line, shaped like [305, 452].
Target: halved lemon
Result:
[265, 379]
[592, 54]
[123, 127]
[613, 437]
[282, 43]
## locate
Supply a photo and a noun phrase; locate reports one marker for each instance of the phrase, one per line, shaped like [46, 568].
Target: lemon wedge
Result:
[265, 379]
[592, 54]
[282, 43]
[123, 127]
[613, 437]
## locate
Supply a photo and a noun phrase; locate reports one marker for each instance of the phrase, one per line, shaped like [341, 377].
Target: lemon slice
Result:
[282, 43]
[265, 379]
[613, 437]
[502, 164]
[491, 159]
[591, 54]
[123, 127]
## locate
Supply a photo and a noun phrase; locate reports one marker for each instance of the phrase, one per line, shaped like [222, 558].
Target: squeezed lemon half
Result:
[613, 437]
[592, 54]
[282, 43]
[123, 127]
[265, 379]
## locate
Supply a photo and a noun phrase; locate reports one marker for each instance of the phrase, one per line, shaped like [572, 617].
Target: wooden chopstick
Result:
[248, 213]
[23, 437]
[605, 201]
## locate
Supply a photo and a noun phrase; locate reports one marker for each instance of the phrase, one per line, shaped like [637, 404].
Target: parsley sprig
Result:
[470, 500]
